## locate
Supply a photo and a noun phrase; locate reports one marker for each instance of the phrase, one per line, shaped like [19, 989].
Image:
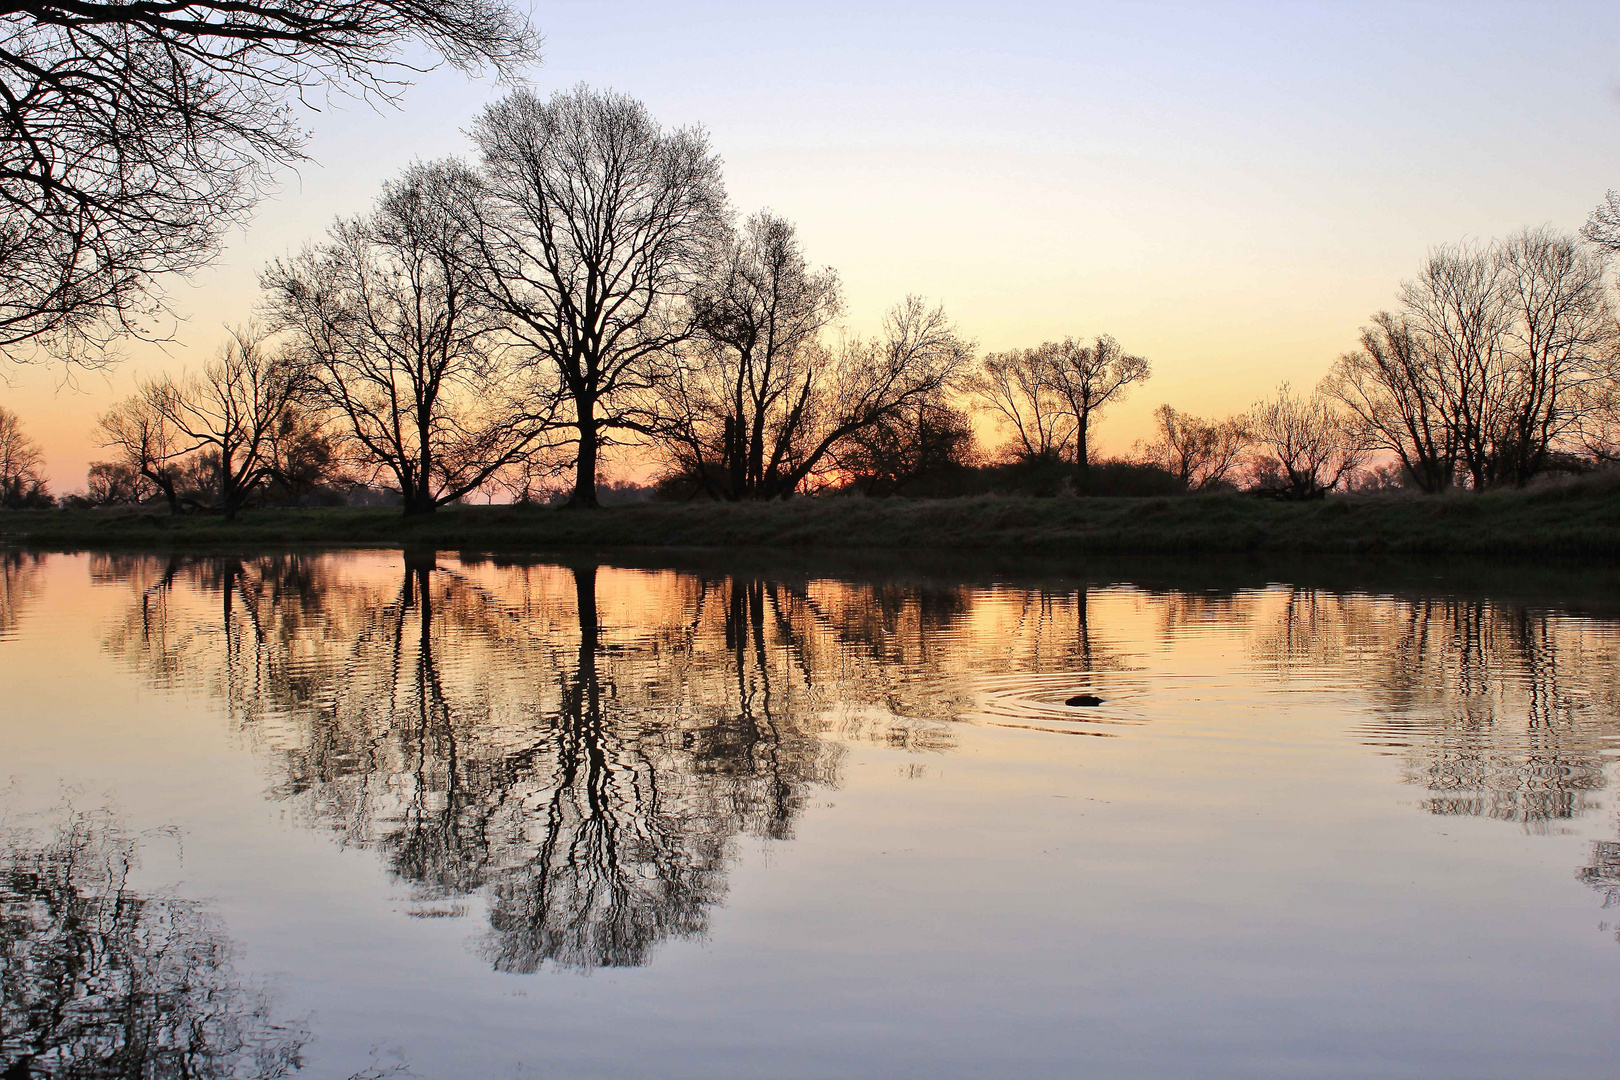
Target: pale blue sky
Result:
[1228, 189]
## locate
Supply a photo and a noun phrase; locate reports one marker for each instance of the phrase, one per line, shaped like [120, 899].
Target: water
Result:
[339, 815]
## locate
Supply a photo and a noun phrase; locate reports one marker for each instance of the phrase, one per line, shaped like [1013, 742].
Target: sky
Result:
[1230, 190]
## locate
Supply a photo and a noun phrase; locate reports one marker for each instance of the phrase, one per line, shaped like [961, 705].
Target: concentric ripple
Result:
[1036, 700]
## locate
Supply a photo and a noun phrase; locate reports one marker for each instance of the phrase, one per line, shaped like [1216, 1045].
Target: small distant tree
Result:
[304, 454]
[144, 442]
[1013, 387]
[1087, 379]
[1051, 396]
[228, 414]
[1200, 453]
[22, 466]
[1304, 447]
[110, 483]
[596, 232]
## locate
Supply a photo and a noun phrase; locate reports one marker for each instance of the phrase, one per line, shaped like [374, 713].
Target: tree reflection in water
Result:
[1498, 711]
[21, 577]
[590, 778]
[98, 980]
[585, 747]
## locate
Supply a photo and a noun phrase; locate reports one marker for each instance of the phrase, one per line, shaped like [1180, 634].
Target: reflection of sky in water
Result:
[802, 825]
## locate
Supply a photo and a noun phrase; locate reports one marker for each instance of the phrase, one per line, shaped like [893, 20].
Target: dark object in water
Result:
[1084, 699]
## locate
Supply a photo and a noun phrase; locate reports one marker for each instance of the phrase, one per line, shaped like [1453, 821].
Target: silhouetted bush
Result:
[1126, 479]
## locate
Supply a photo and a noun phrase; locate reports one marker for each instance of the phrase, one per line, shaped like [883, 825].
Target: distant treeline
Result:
[581, 293]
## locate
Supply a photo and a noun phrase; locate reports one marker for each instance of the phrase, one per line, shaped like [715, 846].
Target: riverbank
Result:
[1580, 520]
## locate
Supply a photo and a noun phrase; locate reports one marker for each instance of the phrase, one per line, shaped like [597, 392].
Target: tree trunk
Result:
[584, 496]
[169, 494]
[1082, 451]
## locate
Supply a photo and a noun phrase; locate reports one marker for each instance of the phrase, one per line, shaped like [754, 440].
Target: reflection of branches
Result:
[501, 737]
[20, 582]
[97, 980]
[1603, 872]
[1490, 704]
[622, 862]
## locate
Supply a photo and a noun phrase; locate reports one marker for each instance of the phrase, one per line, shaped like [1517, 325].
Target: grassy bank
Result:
[1580, 520]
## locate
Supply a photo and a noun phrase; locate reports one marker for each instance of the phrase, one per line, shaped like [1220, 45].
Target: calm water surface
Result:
[361, 814]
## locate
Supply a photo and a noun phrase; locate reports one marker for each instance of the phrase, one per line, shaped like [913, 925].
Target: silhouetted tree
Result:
[1497, 352]
[133, 135]
[1013, 386]
[1087, 379]
[1051, 395]
[139, 432]
[22, 477]
[406, 349]
[1602, 226]
[1404, 399]
[1561, 340]
[738, 415]
[594, 235]
[304, 454]
[1200, 453]
[1303, 446]
[1597, 425]
[110, 483]
[924, 440]
[227, 416]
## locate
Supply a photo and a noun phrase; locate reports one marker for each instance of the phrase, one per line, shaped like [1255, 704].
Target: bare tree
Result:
[1454, 306]
[1050, 395]
[1200, 453]
[109, 483]
[1304, 447]
[229, 414]
[144, 442]
[22, 476]
[836, 395]
[1086, 379]
[1602, 226]
[730, 423]
[406, 348]
[599, 225]
[1399, 393]
[1484, 374]
[1597, 430]
[304, 452]
[132, 135]
[1561, 341]
[1013, 387]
